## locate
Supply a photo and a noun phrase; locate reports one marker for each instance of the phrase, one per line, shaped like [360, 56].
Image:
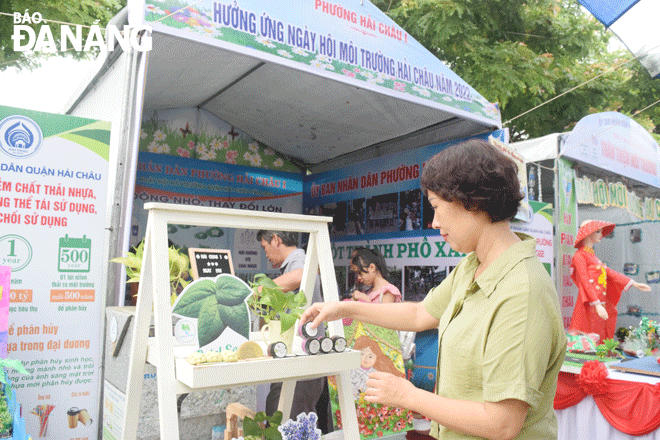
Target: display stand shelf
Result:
[175, 375]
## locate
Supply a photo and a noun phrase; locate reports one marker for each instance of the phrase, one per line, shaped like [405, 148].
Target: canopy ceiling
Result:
[635, 23]
[368, 87]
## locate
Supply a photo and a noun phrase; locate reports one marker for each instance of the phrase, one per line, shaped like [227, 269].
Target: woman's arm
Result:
[493, 420]
[405, 316]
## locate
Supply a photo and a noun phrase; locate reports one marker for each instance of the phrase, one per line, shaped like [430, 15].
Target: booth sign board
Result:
[53, 236]
[615, 143]
[355, 43]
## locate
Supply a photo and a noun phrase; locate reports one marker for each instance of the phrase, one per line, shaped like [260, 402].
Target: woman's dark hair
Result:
[364, 257]
[478, 176]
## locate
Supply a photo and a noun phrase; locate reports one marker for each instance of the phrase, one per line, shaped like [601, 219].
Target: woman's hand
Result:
[388, 389]
[360, 296]
[600, 309]
[321, 312]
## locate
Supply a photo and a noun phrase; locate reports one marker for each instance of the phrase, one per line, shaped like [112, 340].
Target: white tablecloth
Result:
[584, 421]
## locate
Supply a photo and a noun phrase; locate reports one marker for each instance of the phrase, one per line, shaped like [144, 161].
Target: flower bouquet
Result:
[263, 427]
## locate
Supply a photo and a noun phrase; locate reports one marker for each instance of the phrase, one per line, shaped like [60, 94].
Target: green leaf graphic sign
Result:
[217, 304]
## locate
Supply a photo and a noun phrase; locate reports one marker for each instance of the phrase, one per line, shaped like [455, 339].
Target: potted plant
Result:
[179, 267]
[275, 306]
[262, 427]
[607, 348]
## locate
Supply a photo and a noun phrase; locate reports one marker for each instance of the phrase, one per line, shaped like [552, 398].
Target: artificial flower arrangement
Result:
[608, 348]
[640, 341]
[263, 427]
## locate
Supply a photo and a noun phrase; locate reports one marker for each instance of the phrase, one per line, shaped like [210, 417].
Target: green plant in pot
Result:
[179, 267]
[274, 305]
[262, 427]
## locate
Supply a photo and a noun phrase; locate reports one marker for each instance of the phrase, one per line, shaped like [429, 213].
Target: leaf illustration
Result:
[230, 290]
[236, 318]
[190, 301]
[209, 324]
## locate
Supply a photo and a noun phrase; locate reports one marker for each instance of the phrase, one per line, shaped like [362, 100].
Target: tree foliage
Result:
[518, 53]
[84, 12]
[522, 53]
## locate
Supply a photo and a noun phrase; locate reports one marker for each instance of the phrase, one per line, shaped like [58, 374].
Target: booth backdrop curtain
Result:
[630, 407]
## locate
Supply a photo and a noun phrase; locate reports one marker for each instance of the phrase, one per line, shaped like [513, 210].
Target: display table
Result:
[175, 375]
[597, 403]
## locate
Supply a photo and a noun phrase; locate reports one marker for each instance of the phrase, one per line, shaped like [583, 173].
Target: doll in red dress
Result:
[599, 287]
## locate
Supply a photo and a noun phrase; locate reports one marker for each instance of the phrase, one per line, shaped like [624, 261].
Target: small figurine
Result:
[599, 287]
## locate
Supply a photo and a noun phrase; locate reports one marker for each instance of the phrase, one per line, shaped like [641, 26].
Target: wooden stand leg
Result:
[347, 405]
[155, 293]
[167, 408]
[286, 398]
[138, 355]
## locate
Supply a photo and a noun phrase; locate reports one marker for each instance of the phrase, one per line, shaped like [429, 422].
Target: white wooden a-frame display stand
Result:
[174, 374]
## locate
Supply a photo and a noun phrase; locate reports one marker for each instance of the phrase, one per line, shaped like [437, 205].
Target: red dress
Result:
[597, 284]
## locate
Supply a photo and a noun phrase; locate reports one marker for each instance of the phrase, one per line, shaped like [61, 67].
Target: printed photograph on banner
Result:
[336, 210]
[355, 217]
[420, 279]
[395, 276]
[428, 213]
[410, 210]
[382, 211]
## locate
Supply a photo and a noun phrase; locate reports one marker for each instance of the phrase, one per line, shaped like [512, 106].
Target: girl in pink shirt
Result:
[370, 268]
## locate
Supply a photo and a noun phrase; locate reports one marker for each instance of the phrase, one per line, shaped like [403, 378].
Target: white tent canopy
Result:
[537, 149]
[312, 80]
[323, 83]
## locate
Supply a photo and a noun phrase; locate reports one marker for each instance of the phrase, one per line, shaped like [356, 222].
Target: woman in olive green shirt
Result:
[500, 333]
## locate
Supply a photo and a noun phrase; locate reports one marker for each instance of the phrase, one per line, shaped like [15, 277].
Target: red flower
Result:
[592, 378]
